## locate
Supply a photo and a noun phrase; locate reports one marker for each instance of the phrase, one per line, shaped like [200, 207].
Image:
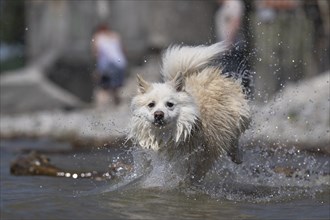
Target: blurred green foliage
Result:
[12, 21]
[12, 63]
[12, 30]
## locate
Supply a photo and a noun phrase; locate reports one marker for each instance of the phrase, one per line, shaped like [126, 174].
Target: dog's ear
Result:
[178, 82]
[142, 84]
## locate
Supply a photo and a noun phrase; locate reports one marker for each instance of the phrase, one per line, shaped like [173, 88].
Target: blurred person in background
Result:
[228, 20]
[229, 26]
[110, 64]
[318, 12]
[287, 41]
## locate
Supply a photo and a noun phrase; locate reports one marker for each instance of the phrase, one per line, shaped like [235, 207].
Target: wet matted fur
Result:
[196, 114]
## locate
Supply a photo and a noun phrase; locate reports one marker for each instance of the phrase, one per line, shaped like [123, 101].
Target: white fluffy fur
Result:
[180, 120]
[181, 59]
[208, 115]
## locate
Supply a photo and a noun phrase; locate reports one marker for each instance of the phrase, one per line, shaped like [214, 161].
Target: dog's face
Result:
[160, 103]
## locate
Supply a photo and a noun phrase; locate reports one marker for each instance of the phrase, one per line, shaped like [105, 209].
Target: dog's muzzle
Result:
[159, 118]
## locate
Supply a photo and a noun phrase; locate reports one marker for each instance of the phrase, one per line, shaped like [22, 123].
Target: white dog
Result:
[196, 114]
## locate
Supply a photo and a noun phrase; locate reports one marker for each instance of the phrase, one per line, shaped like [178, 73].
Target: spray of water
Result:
[265, 175]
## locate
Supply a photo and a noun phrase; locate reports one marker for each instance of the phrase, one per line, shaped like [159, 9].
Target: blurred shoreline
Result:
[298, 117]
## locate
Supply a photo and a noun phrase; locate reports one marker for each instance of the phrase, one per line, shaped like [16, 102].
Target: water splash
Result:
[269, 175]
[265, 175]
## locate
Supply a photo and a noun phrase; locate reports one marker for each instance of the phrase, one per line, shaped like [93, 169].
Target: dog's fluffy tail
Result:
[188, 59]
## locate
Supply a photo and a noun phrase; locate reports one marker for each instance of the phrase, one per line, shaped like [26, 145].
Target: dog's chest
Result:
[164, 137]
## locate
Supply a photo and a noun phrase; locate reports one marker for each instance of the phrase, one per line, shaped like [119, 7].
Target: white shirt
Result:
[109, 47]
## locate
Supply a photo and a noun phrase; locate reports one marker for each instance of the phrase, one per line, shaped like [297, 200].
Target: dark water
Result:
[251, 190]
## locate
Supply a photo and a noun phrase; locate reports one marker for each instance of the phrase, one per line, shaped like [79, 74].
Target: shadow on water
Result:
[271, 183]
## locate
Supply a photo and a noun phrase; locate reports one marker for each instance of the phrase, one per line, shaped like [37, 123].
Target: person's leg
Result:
[115, 95]
[116, 81]
[101, 92]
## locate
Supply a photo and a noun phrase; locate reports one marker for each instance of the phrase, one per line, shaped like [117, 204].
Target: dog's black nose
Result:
[158, 115]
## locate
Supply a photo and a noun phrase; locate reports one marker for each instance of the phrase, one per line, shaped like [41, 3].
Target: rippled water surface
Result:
[251, 190]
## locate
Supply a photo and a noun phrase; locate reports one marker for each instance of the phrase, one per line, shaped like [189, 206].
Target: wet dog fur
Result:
[195, 115]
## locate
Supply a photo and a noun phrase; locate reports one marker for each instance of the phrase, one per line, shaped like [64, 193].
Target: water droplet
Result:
[26, 28]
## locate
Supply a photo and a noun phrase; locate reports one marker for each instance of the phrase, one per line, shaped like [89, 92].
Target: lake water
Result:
[251, 190]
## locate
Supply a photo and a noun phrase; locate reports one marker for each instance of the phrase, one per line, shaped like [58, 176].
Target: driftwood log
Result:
[35, 164]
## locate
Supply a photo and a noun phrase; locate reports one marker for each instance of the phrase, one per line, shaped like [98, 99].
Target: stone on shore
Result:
[29, 90]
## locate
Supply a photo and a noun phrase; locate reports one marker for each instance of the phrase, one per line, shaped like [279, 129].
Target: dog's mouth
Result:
[159, 123]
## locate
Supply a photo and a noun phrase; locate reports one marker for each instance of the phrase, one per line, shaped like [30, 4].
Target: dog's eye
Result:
[151, 105]
[169, 104]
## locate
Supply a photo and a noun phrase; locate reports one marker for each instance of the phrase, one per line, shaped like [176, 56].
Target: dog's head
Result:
[163, 104]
